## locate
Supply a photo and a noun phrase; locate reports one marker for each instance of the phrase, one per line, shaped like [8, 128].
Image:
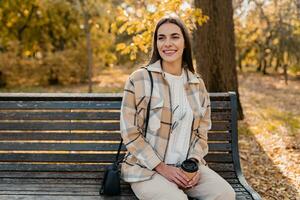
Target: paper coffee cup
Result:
[190, 168]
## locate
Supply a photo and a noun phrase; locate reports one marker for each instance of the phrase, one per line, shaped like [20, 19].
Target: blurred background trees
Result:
[42, 42]
[63, 42]
[268, 37]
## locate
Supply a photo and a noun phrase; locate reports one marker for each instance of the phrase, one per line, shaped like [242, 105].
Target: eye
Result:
[160, 38]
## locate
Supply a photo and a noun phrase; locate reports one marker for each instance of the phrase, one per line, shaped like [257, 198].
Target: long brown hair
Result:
[187, 61]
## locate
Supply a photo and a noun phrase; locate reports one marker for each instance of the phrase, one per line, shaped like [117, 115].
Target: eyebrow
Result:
[173, 34]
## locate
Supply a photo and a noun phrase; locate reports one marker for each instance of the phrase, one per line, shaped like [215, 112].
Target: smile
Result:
[169, 52]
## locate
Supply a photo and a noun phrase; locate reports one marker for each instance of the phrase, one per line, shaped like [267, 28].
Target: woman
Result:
[178, 123]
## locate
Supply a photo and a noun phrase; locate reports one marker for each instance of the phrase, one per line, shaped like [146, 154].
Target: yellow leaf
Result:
[120, 46]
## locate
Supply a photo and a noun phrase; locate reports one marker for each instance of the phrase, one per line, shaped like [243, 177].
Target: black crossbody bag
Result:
[111, 180]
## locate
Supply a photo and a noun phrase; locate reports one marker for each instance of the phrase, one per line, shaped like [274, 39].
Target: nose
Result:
[168, 42]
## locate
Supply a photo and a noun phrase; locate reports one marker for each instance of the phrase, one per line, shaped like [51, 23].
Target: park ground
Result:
[269, 136]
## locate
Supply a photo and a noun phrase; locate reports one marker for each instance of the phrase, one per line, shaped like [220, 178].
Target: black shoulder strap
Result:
[149, 103]
[146, 119]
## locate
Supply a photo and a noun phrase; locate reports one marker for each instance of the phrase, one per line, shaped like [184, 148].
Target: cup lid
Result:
[189, 165]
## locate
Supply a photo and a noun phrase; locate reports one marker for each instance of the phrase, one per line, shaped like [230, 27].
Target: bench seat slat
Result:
[65, 195]
[75, 178]
[82, 189]
[84, 146]
[74, 174]
[36, 166]
[62, 197]
[81, 158]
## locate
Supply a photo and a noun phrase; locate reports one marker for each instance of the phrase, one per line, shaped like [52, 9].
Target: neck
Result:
[172, 67]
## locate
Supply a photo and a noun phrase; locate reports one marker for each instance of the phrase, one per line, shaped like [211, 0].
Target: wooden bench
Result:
[56, 146]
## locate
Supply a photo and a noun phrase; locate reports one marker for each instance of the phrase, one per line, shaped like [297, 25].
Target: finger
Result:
[183, 176]
[178, 182]
[194, 180]
[182, 179]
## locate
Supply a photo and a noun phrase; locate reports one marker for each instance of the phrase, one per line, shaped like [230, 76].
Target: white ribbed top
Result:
[181, 120]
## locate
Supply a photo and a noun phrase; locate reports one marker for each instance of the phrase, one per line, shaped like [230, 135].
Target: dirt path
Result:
[270, 135]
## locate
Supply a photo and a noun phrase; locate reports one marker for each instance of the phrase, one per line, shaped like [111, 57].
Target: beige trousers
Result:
[211, 186]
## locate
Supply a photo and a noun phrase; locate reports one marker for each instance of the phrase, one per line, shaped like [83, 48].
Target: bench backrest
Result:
[80, 132]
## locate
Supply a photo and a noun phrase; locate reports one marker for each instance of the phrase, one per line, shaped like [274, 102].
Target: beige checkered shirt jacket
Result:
[145, 153]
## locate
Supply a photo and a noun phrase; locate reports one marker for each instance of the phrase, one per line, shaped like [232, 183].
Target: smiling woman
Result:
[179, 119]
[170, 44]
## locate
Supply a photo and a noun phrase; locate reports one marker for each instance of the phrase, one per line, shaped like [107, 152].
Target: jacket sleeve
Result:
[199, 146]
[134, 140]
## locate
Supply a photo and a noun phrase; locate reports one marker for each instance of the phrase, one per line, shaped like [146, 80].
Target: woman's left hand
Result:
[194, 181]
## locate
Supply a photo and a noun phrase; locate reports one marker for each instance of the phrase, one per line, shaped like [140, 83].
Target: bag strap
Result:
[146, 119]
[149, 103]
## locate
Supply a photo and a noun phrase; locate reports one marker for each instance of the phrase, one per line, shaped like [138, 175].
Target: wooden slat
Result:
[232, 180]
[239, 189]
[56, 187]
[212, 159]
[220, 115]
[46, 185]
[63, 197]
[223, 105]
[218, 158]
[84, 188]
[60, 146]
[57, 157]
[217, 126]
[113, 136]
[218, 136]
[109, 136]
[101, 115]
[85, 146]
[221, 167]
[227, 174]
[78, 193]
[72, 175]
[78, 158]
[60, 126]
[68, 96]
[221, 96]
[9, 105]
[49, 181]
[240, 196]
[36, 157]
[63, 105]
[53, 175]
[51, 167]
[223, 147]
[82, 115]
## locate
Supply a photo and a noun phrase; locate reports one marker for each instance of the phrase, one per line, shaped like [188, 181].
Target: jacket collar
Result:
[156, 67]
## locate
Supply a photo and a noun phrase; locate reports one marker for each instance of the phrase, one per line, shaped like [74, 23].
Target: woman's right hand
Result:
[173, 174]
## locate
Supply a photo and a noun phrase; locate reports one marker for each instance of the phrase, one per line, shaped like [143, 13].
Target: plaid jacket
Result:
[145, 153]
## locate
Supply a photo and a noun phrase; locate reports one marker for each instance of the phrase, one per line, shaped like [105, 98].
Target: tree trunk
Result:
[89, 50]
[215, 48]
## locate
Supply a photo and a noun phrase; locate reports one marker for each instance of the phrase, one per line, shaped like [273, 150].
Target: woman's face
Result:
[170, 42]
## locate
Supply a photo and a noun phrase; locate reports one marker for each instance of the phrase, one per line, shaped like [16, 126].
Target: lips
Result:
[169, 52]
